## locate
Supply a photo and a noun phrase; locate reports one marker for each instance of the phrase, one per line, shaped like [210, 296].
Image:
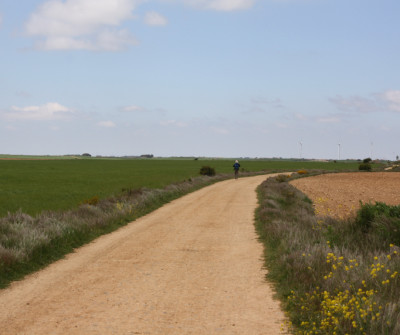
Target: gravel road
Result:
[193, 266]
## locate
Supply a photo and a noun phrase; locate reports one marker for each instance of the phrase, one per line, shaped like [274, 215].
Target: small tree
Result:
[367, 160]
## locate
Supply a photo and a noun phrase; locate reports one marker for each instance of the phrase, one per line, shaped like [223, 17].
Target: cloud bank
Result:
[82, 24]
[106, 124]
[221, 5]
[49, 111]
[388, 101]
[98, 25]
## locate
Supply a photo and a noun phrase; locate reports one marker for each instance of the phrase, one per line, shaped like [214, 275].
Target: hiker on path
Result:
[236, 167]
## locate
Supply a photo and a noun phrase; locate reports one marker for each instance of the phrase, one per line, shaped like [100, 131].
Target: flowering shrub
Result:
[348, 304]
[302, 172]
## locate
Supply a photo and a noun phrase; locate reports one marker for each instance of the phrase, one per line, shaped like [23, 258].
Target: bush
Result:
[282, 178]
[367, 160]
[207, 171]
[381, 220]
[93, 201]
[365, 167]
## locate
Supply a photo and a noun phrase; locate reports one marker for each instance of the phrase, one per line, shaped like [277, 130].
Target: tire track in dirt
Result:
[193, 266]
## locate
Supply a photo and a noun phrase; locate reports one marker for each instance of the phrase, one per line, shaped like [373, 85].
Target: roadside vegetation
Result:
[332, 276]
[28, 243]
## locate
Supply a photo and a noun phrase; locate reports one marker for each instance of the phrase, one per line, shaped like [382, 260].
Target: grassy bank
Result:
[35, 185]
[333, 277]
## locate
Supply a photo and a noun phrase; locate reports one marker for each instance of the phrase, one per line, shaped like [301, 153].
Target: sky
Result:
[217, 78]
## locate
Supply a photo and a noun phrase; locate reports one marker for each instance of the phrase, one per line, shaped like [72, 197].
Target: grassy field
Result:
[33, 185]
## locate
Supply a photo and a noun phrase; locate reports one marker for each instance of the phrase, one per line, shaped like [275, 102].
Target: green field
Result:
[59, 184]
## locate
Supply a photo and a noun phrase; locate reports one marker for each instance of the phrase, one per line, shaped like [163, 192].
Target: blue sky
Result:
[221, 78]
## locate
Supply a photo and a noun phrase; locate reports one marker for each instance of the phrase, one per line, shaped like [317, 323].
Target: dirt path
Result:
[192, 267]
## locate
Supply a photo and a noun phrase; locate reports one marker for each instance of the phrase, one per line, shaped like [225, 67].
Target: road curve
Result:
[193, 266]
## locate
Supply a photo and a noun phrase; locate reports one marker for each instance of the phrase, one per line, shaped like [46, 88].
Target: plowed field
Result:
[339, 194]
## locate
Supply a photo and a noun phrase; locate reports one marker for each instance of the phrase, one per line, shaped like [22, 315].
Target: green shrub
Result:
[381, 220]
[365, 167]
[207, 171]
[367, 160]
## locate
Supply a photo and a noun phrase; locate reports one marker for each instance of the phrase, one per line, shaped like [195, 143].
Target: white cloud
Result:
[356, 104]
[155, 19]
[281, 125]
[49, 111]
[377, 102]
[300, 116]
[175, 123]
[219, 130]
[96, 25]
[132, 108]
[221, 5]
[392, 98]
[332, 119]
[106, 124]
[82, 24]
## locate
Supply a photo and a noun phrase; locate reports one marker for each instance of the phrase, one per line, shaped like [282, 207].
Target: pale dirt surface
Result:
[339, 194]
[192, 267]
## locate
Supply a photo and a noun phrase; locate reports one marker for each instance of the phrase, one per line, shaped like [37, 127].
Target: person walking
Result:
[236, 167]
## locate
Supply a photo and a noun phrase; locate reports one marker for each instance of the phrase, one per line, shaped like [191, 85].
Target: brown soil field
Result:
[339, 194]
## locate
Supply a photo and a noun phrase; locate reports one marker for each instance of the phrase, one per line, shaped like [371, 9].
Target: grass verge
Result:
[333, 277]
[29, 243]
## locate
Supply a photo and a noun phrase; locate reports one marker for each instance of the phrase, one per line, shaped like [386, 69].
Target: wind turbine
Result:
[301, 149]
[339, 151]
[372, 144]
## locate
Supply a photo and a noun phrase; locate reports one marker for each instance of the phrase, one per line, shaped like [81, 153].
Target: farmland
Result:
[303, 250]
[33, 185]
